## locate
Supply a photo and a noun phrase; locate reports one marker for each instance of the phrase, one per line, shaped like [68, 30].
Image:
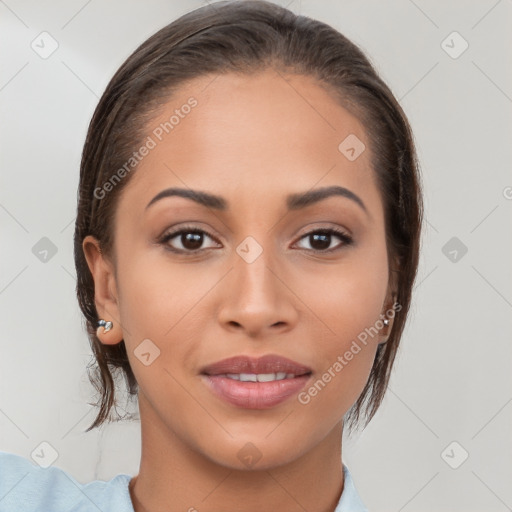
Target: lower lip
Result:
[255, 395]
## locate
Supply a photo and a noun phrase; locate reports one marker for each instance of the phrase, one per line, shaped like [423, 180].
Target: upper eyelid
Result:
[206, 231]
[339, 231]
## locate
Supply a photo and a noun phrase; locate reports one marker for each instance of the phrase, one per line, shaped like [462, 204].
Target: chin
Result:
[253, 453]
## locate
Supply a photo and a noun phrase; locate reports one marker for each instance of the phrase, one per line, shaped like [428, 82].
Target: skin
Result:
[253, 140]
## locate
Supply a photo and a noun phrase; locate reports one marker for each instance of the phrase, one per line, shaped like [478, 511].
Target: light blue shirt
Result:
[27, 487]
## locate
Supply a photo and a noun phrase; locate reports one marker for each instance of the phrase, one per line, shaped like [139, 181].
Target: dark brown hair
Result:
[245, 37]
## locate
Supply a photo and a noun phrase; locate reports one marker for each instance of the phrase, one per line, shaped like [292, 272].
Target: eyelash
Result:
[346, 239]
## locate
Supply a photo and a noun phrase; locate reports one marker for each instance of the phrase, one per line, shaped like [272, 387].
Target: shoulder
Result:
[350, 501]
[25, 486]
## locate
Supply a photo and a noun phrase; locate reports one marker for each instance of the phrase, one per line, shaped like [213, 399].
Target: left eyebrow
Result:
[293, 201]
[301, 200]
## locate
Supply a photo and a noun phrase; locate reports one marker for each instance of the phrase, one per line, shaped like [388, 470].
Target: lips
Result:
[256, 383]
[263, 365]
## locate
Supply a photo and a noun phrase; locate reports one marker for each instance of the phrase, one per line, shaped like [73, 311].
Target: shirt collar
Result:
[349, 500]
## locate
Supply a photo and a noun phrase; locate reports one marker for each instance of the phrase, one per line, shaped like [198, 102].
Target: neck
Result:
[173, 477]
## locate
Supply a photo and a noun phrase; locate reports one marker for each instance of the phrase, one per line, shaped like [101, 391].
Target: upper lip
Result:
[266, 364]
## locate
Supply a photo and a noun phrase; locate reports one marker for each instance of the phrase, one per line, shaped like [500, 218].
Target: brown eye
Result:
[191, 241]
[321, 239]
[186, 240]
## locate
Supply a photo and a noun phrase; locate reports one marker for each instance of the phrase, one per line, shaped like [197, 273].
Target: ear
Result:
[105, 291]
[391, 306]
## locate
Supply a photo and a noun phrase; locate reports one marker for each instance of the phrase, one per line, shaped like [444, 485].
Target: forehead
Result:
[249, 133]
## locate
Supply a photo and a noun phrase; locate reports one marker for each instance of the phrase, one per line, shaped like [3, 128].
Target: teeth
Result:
[267, 377]
[260, 377]
[248, 377]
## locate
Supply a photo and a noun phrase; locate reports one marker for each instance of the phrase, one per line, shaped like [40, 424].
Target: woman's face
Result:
[259, 278]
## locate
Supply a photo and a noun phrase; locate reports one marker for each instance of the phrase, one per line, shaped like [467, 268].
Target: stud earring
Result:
[106, 325]
[386, 322]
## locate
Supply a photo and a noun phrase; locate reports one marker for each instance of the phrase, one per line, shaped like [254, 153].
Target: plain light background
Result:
[450, 395]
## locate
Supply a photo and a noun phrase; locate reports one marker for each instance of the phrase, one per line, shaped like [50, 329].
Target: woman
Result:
[246, 243]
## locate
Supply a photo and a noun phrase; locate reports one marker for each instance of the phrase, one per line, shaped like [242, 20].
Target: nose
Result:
[256, 297]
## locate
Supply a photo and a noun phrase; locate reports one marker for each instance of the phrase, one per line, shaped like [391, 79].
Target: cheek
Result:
[156, 293]
[165, 303]
[346, 340]
[348, 297]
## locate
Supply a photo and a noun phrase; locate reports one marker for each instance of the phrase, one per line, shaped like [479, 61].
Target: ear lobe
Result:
[389, 315]
[105, 290]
